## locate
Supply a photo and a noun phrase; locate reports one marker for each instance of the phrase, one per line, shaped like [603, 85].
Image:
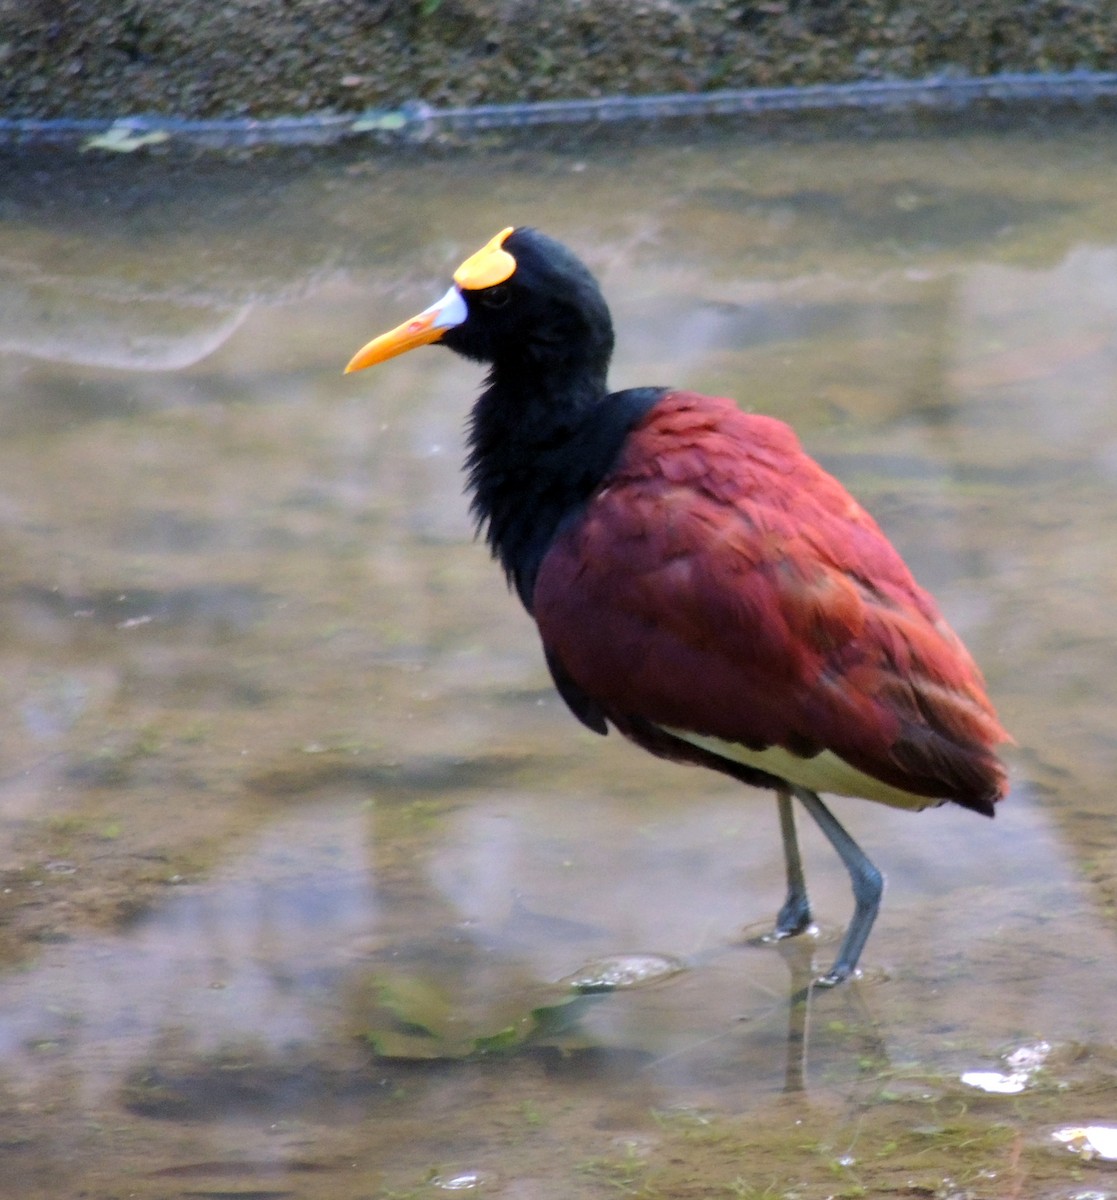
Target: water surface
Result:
[291, 822]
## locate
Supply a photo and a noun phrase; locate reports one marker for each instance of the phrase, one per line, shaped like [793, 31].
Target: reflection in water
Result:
[283, 773]
[55, 322]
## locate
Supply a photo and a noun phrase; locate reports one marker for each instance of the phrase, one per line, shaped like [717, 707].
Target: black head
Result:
[544, 432]
[549, 310]
[523, 302]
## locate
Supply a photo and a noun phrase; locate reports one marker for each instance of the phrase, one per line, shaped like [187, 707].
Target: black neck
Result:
[537, 452]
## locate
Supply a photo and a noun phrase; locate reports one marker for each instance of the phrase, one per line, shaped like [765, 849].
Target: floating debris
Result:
[122, 137]
[997, 1081]
[1022, 1063]
[1089, 1141]
[462, 1181]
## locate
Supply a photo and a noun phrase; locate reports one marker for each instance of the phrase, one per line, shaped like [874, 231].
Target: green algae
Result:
[412, 1018]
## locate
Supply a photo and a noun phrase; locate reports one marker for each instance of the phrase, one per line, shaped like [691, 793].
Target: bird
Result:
[700, 584]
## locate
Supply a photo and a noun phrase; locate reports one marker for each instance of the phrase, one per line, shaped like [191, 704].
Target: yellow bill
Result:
[429, 326]
[490, 265]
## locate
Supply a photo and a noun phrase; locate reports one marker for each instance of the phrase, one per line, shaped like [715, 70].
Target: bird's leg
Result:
[795, 915]
[868, 885]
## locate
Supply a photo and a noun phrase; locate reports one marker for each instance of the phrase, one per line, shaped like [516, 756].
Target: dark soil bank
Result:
[86, 58]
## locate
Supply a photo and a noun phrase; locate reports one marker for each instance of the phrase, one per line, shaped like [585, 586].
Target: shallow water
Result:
[291, 823]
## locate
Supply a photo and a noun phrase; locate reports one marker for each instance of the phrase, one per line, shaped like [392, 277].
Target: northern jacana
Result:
[699, 582]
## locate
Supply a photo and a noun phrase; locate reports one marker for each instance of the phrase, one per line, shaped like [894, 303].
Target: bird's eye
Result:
[495, 297]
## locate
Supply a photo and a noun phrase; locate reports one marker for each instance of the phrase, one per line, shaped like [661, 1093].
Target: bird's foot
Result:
[836, 974]
[823, 983]
[793, 919]
[780, 934]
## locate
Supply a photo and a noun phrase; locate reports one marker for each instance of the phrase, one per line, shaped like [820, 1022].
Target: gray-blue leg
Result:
[868, 886]
[795, 915]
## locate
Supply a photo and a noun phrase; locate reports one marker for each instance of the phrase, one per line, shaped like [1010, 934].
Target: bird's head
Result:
[523, 301]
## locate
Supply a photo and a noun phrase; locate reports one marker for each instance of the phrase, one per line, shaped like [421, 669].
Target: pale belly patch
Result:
[824, 772]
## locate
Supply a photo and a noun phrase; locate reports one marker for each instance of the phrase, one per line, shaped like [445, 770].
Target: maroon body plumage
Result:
[698, 581]
[721, 582]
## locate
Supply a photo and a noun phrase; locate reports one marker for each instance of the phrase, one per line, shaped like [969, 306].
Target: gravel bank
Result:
[260, 58]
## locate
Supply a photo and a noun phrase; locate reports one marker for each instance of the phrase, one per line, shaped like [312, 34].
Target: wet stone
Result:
[625, 971]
